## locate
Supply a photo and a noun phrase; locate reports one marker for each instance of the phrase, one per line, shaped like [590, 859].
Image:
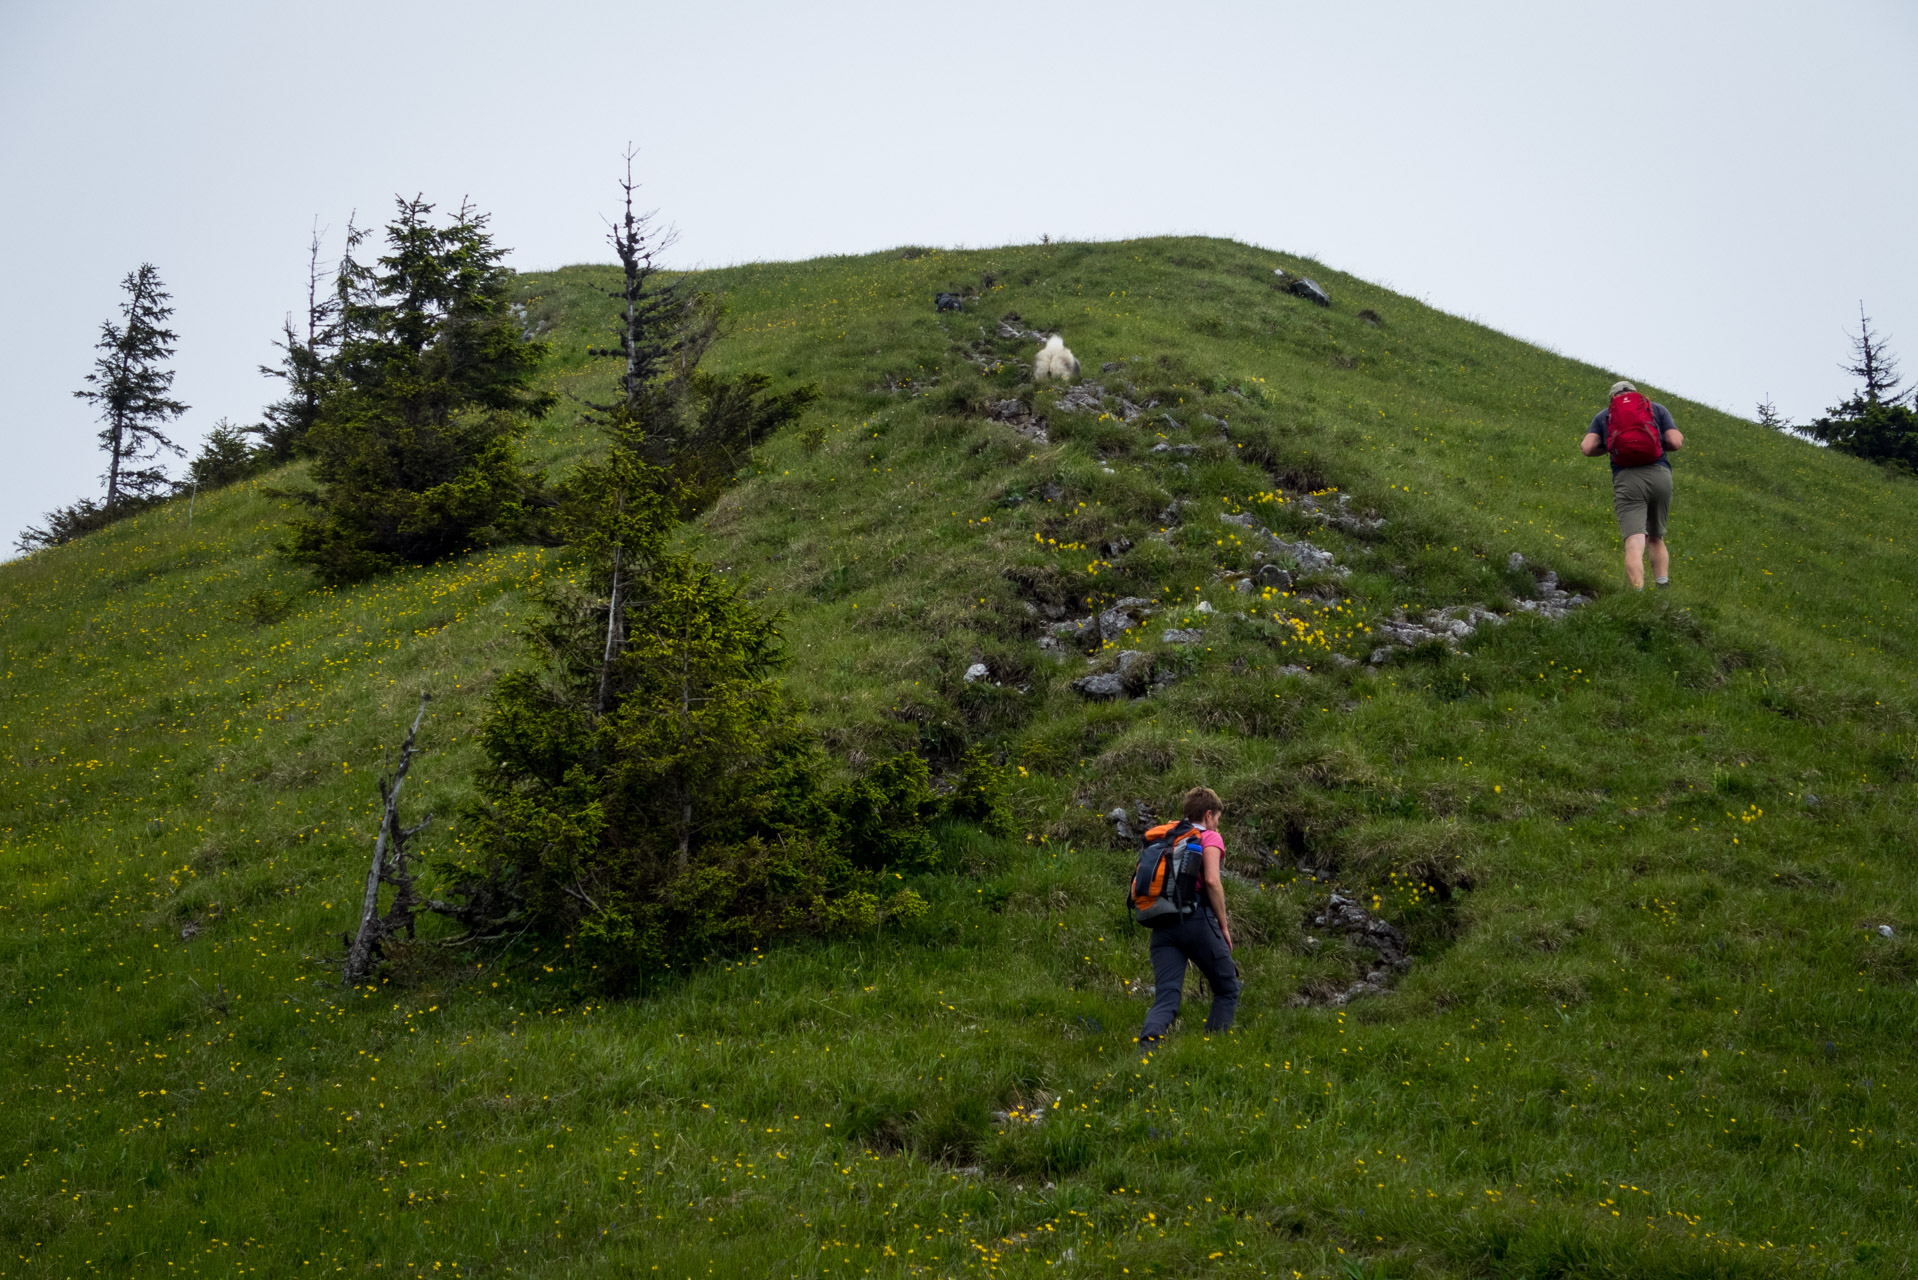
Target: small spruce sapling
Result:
[224, 458]
[1768, 416]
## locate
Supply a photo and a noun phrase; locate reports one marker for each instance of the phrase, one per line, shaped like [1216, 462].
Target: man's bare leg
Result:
[1635, 560]
[1661, 557]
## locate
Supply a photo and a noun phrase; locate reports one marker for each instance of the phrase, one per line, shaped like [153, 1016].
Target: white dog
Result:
[1054, 361]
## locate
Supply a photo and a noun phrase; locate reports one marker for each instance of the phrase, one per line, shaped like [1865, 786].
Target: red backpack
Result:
[1632, 435]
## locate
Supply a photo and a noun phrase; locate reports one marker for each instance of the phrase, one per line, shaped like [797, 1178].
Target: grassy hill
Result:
[1640, 854]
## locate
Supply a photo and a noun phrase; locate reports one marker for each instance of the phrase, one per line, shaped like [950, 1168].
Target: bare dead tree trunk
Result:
[612, 622]
[389, 867]
[612, 633]
[685, 733]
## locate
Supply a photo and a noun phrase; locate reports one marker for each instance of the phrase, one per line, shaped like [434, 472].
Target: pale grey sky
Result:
[1695, 194]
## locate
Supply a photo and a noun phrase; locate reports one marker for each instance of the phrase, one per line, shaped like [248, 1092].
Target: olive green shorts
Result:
[1642, 496]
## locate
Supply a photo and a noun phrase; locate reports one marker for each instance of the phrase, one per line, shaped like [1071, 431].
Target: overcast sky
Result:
[1695, 194]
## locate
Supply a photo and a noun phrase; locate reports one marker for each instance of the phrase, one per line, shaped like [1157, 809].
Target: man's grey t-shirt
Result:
[1661, 418]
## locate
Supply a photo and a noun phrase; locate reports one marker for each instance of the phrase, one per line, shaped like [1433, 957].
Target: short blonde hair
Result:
[1200, 801]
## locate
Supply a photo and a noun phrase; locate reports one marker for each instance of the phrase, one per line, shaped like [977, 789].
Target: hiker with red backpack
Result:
[1177, 893]
[1640, 437]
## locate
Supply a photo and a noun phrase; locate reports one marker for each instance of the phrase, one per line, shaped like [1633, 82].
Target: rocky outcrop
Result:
[1309, 290]
[1553, 601]
[1343, 915]
[1309, 558]
[1021, 419]
[1123, 615]
[1448, 625]
[1339, 517]
[1134, 665]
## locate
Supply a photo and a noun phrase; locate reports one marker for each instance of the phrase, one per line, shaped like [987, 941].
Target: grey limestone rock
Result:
[976, 672]
[1189, 635]
[1344, 915]
[1309, 558]
[1015, 415]
[1309, 290]
[1367, 522]
[1553, 602]
[1270, 575]
[1123, 615]
[1101, 688]
[1449, 625]
[1086, 397]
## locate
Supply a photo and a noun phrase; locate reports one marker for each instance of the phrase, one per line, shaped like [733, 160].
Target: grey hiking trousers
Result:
[1196, 939]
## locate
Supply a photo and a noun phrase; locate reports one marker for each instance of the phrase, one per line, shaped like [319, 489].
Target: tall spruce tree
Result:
[306, 352]
[651, 794]
[429, 390]
[130, 386]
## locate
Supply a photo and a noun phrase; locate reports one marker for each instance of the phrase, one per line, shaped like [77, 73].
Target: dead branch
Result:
[391, 865]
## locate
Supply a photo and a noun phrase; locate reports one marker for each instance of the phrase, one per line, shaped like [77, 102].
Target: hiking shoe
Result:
[1661, 582]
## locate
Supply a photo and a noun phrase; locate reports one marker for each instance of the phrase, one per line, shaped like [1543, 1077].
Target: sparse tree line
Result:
[648, 793]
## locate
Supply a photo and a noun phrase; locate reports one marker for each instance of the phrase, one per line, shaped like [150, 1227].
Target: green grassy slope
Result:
[1641, 854]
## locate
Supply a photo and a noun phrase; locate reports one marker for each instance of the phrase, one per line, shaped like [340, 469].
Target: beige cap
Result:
[1620, 388]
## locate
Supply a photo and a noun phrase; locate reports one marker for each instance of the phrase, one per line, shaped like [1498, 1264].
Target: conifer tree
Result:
[130, 387]
[223, 459]
[651, 794]
[1872, 363]
[657, 798]
[430, 388]
[305, 356]
[1768, 416]
[1871, 423]
[695, 425]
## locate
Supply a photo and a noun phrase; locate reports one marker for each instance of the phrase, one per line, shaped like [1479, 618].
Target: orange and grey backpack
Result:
[1165, 888]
